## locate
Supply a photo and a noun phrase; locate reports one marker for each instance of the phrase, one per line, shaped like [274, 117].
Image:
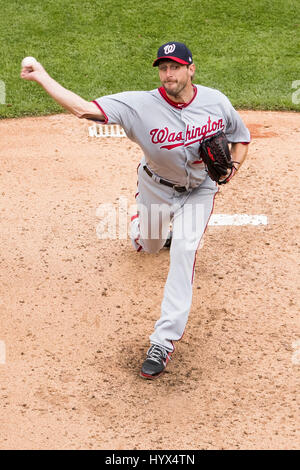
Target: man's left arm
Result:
[239, 152]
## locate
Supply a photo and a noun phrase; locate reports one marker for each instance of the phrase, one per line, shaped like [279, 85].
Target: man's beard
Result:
[175, 91]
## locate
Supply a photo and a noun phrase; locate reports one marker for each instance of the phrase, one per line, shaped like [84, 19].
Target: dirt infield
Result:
[76, 311]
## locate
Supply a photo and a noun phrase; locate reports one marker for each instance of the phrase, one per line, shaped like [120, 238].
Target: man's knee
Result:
[152, 246]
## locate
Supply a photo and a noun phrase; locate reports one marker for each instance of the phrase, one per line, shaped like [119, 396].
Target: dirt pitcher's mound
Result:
[76, 311]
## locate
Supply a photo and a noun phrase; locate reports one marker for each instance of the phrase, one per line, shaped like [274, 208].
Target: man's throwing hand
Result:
[31, 69]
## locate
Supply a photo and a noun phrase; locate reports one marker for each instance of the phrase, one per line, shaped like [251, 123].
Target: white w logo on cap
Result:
[169, 48]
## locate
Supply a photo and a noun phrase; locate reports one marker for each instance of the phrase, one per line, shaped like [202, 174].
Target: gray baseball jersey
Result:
[169, 133]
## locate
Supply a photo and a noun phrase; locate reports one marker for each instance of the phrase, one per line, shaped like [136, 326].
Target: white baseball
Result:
[28, 62]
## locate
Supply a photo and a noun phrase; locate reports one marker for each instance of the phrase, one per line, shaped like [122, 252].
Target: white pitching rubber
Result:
[238, 219]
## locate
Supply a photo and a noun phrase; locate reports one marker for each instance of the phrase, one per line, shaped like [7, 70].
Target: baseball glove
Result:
[215, 153]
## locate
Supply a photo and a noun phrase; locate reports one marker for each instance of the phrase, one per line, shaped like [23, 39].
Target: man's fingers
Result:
[25, 72]
[28, 69]
[28, 74]
[32, 72]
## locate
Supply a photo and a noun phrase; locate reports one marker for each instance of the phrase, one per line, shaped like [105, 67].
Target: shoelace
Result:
[156, 353]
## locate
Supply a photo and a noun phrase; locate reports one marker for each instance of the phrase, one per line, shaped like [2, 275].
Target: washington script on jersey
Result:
[192, 135]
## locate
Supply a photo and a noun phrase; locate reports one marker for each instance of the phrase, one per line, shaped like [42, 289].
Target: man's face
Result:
[174, 77]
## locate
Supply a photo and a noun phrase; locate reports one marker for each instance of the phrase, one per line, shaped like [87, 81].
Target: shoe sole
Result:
[151, 377]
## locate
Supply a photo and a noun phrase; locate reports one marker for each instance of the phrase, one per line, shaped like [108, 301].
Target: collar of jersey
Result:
[163, 93]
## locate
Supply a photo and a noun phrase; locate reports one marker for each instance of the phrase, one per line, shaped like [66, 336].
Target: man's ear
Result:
[192, 70]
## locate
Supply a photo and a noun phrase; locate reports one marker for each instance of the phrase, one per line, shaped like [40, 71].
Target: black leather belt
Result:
[180, 189]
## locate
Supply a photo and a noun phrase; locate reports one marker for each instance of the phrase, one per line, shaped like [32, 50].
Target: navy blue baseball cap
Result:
[176, 51]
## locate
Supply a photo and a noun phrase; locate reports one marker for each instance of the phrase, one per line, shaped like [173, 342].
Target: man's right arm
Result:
[66, 98]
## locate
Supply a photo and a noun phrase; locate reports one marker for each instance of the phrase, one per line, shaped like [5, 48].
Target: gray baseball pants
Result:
[188, 212]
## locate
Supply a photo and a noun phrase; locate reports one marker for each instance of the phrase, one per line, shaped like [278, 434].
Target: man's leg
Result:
[150, 226]
[189, 225]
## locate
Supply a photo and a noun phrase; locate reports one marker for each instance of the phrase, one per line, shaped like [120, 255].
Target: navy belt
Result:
[180, 189]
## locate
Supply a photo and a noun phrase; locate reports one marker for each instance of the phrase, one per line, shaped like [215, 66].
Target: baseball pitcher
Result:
[183, 130]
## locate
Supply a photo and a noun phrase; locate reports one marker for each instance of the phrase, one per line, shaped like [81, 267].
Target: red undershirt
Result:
[163, 93]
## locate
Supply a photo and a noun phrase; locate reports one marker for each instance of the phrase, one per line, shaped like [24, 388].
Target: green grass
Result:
[248, 49]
